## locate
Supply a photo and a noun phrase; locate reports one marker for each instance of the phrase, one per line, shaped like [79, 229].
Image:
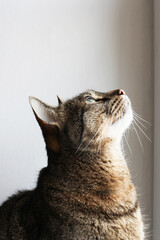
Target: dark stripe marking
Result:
[82, 124]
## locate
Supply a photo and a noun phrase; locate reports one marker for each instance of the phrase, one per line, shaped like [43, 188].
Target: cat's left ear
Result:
[59, 100]
[49, 122]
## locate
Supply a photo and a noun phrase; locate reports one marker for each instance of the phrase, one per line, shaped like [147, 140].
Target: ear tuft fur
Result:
[59, 100]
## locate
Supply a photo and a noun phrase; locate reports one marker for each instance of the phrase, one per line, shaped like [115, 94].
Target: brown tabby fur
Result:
[85, 192]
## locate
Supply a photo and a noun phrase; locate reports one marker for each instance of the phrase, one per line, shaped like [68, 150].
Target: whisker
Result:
[94, 136]
[90, 140]
[136, 119]
[100, 141]
[138, 136]
[128, 144]
[99, 145]
[136, 114]
[143, 132]
[79, 146]
[102, 136]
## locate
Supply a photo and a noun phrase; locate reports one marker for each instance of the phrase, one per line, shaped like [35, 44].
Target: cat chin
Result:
[116, 129]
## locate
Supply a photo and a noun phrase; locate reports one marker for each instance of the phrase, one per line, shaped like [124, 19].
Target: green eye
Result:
[90, 100]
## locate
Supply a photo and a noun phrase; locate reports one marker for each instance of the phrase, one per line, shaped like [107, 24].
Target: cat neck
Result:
[101, 175]
[79, 168]
[109, 148]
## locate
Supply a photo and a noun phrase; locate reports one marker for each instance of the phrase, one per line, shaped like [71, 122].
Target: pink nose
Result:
[121, 92]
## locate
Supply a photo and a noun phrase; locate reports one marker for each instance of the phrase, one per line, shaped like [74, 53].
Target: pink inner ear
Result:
[43, 111]
[46, 117]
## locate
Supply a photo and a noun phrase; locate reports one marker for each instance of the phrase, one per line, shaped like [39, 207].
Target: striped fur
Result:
[85, 192]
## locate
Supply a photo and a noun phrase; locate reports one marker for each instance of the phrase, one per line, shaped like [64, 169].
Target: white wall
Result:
[50, 47]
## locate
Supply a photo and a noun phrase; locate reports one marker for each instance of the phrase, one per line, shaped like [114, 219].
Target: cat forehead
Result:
[79, 99]
[96, 94]
[93, 93]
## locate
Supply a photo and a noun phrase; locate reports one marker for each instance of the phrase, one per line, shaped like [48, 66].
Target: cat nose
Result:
[121, 92]
[116, 92]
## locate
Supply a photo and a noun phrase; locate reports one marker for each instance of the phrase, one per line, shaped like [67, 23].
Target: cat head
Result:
[83, 121]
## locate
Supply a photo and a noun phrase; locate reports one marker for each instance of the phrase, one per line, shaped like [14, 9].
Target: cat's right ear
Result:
[49, 122]
[59, 100]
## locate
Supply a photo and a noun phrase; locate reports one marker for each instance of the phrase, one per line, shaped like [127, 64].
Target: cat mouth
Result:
[118, 108]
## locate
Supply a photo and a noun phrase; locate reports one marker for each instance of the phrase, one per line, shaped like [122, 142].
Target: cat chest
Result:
[123, 228]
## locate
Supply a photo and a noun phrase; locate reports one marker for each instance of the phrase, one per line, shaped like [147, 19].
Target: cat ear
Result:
[48, 120]
[59, 100]
[42, 111]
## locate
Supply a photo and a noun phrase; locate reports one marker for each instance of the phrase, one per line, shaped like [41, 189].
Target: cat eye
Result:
[90, 100]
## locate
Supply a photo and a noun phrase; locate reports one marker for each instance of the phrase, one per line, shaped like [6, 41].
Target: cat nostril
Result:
[121, 92]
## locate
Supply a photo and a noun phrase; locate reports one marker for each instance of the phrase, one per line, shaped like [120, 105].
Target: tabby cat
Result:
[85, 192]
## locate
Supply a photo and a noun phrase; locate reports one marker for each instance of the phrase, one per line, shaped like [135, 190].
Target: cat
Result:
[85, 192]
